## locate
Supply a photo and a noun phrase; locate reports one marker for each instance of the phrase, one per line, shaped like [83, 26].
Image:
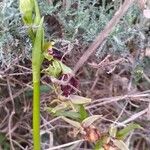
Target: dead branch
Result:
[104, 34]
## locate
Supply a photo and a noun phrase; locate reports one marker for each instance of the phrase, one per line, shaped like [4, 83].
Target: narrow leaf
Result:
[59, 107]
[83, 113]
[120, 144]
[75, 99]
[88, 121]
[125, 131]
[70, 114]
[72, 122]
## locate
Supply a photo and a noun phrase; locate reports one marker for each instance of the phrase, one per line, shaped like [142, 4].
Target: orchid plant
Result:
[69, 106]
[41, 49]
[32, 19]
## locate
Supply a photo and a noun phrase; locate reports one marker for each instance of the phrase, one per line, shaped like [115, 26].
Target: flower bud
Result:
[26, 9]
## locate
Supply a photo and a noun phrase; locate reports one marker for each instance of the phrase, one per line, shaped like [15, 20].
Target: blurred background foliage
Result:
[80, 19]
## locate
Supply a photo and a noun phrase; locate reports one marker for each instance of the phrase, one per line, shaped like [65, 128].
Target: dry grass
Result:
[114, 95]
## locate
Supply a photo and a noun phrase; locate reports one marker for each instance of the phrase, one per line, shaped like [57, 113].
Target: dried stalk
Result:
[104, 34]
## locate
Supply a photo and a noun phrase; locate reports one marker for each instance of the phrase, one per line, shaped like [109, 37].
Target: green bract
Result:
[26, 8]
[37, 17]
[53, 69]
[47, 56]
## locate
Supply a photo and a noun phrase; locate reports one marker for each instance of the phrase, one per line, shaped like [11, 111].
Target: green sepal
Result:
[54, 69]
[83, 113]
[48, 56]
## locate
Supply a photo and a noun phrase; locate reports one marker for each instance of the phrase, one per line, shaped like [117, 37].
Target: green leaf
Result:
[99, 145]
[101, 142]
[59, 107]
[63, 112]
[69, 114]
[125, 131]
[72, 122]
[88, 121]
[120, 144]
[83, 113]
[75, 99]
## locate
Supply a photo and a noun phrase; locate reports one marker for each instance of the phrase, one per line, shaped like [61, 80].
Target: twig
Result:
[50, 2]
[65, 145]
[104, 62]
[104, 34]
[133, 117]
[107, 63]
[121, 113]
[11, 115]
[21, 147]
[9, 128]
[146, 77]
[105, 101]
[148, 112]
[15, 74]
[23, 67]
[3, 102]
[51, 121]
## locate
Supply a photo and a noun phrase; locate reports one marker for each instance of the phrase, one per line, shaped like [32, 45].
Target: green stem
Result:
[31, 16]
[36, 66]
[36, 115]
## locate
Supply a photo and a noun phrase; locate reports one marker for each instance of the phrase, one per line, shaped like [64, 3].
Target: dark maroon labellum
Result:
[55, 53]
[67, 89]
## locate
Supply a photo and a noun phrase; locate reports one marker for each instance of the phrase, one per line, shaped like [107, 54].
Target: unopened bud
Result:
[26, 9]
